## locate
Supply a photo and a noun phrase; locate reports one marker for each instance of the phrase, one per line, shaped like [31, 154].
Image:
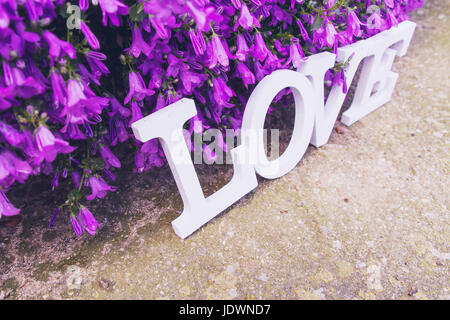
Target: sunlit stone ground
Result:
[364, 217]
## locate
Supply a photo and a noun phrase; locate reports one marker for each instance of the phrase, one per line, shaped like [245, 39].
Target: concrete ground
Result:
[364, 217]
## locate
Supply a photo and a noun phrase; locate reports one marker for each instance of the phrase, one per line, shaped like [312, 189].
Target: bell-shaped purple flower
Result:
[75, 93]
[99, 188]
[76, 226]
[245, 19]
[83, 4]
[139, 45]
[111, 9]
[242, 48]
[137, 88]
[219, 51]
[58, 88]
[245, 74]
[76, 178]
[87, 221]
[10, 134]
[236, 3]
[56, 46]
[53, 218]
[198, 42]
[389, 3]
[222, 92]
[353, 25]
[45, 139]
[136, 113]
[303, 31]
[4, 19]
[6, 208]
[117, 108]
[191, 79]
[202, 16]
[259, 47]
[139, 161]
[295, 56]
[330, 34]
[55, 181]
[109, 158]
[391, 19]
[89, 36]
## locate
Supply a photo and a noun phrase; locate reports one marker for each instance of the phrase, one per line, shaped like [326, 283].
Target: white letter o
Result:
[255, 114]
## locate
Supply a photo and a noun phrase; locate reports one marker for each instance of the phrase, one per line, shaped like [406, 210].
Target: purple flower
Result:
[56, 46]
[246, 75]
[76, 226]
[89, 36]
[10, 134]
[109, 174]
[339, 79]
[219, 51]
[391, 19]
[117, 108]
[4, 18]
[259, 48]
[6, 208]
[245, 19]
[190, 79]
[222, 92]
[136, 113]
[389, 3]
[49, 146]
[59, 88]
[19, 84]
[137, 88]
[111, 9]
[84, 4]
[139, 161]
[236, 3]
[198, 42]
[202, 16]
[76, 178]
[330, 34]
[139, 45]
[55, 181]
[303, 31]
[353, 24]
[242, 48]
[295, 56]
[75, 93]
[96, 65]
[87, 221]
[45, 139]
[53, 218]
[99, 188]
[109, 158]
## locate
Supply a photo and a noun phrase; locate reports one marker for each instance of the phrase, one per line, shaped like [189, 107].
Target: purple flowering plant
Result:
[69, 95]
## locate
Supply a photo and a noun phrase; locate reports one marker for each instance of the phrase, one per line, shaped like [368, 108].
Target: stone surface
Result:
[364, 217]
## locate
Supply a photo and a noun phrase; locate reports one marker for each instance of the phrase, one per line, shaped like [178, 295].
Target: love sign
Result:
[314, 120]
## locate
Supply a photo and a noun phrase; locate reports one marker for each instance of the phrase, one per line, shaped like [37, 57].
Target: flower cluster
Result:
[64, 106]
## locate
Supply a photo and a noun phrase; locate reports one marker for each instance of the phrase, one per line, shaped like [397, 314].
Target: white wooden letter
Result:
[255, 114]
[167, 125]
[377, 81]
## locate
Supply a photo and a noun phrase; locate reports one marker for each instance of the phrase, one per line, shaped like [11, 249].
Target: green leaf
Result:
[136, 11]
[318, 21]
